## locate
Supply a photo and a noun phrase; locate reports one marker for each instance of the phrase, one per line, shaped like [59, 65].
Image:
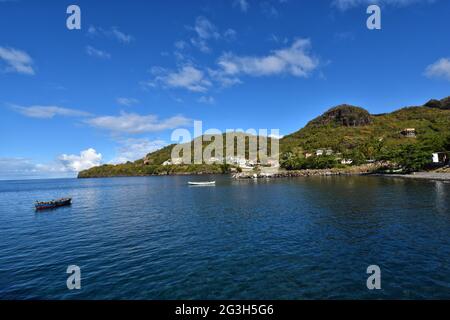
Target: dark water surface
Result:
[157, 238]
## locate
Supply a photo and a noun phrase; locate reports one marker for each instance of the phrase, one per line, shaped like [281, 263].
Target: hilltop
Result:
[348, 132]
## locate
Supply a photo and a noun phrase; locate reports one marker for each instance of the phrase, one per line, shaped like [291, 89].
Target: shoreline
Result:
[352, 171]
[365, 170]
[439, 176]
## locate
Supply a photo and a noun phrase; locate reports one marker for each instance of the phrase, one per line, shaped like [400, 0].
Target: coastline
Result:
[440, 176]
[365, 170]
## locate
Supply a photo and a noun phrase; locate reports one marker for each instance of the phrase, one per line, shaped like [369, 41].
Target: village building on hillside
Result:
[322, 152]
[409, 132]
[440, 158]
[214, 160]
[173, 161]
[346, 161]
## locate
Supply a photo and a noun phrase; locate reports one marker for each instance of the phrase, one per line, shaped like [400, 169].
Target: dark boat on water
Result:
[42, 205]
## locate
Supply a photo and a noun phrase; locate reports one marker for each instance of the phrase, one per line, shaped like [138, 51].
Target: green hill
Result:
[355, 134]
[349, 132]
[152, 163]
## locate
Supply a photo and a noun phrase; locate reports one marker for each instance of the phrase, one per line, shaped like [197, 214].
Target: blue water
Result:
[157, 238]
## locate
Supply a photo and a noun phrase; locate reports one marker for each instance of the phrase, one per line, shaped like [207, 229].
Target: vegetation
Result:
[350, 132]
[377, 139]
[138, 169]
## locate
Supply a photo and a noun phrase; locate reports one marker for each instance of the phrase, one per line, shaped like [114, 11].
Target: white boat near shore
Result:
[204, 183]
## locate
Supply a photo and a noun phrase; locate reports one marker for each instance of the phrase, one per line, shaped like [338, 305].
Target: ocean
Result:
[158, 238]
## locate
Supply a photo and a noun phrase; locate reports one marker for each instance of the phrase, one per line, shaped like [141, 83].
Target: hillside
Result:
[357, 135]
[152, 163]
[350, 132]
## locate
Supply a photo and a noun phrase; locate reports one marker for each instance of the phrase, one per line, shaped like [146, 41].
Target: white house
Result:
[440, 157]
[173, 161]
[346, 161]
[214, 160]
[321, 152]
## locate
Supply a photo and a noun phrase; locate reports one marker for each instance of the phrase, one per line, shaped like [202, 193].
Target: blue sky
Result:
[136, 70]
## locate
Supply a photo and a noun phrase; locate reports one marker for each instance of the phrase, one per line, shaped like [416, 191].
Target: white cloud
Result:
[230, 34]
[275, 136]
[97, 53]
[294, 60]
[187, 77]
[440, 69]
[87, 159]
[48, 112]
[64, 166]
[17, 61]
[128, 102]
[122, 37]
[223, 79]
[207, 100]
[112, 32]
[134, 149]
[242, 4]
[205, 30]
[133, 123]
[17, 168]
[348, 4]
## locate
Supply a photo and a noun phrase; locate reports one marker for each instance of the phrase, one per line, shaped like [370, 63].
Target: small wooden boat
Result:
[205, 183]
[42, 205]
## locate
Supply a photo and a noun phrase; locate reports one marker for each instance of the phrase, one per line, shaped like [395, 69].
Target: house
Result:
[239, 161]
[173, 161]
[308, 155]
[440, 158]
[346, 161]
[326, 152]
[214, 160]
[409, 132]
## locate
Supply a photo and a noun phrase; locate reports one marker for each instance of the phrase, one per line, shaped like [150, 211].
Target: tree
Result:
[413, 157]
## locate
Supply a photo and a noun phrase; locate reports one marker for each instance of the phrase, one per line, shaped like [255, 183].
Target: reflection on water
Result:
[158, 238]
[442, 196]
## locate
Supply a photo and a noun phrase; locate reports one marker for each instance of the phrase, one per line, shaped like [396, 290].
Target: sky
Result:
[116, 89]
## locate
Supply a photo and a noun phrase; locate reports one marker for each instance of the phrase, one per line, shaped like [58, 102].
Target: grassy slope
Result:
[428, 122]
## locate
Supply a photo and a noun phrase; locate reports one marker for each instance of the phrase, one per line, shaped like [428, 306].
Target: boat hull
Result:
[53, 204]
[209, 183]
